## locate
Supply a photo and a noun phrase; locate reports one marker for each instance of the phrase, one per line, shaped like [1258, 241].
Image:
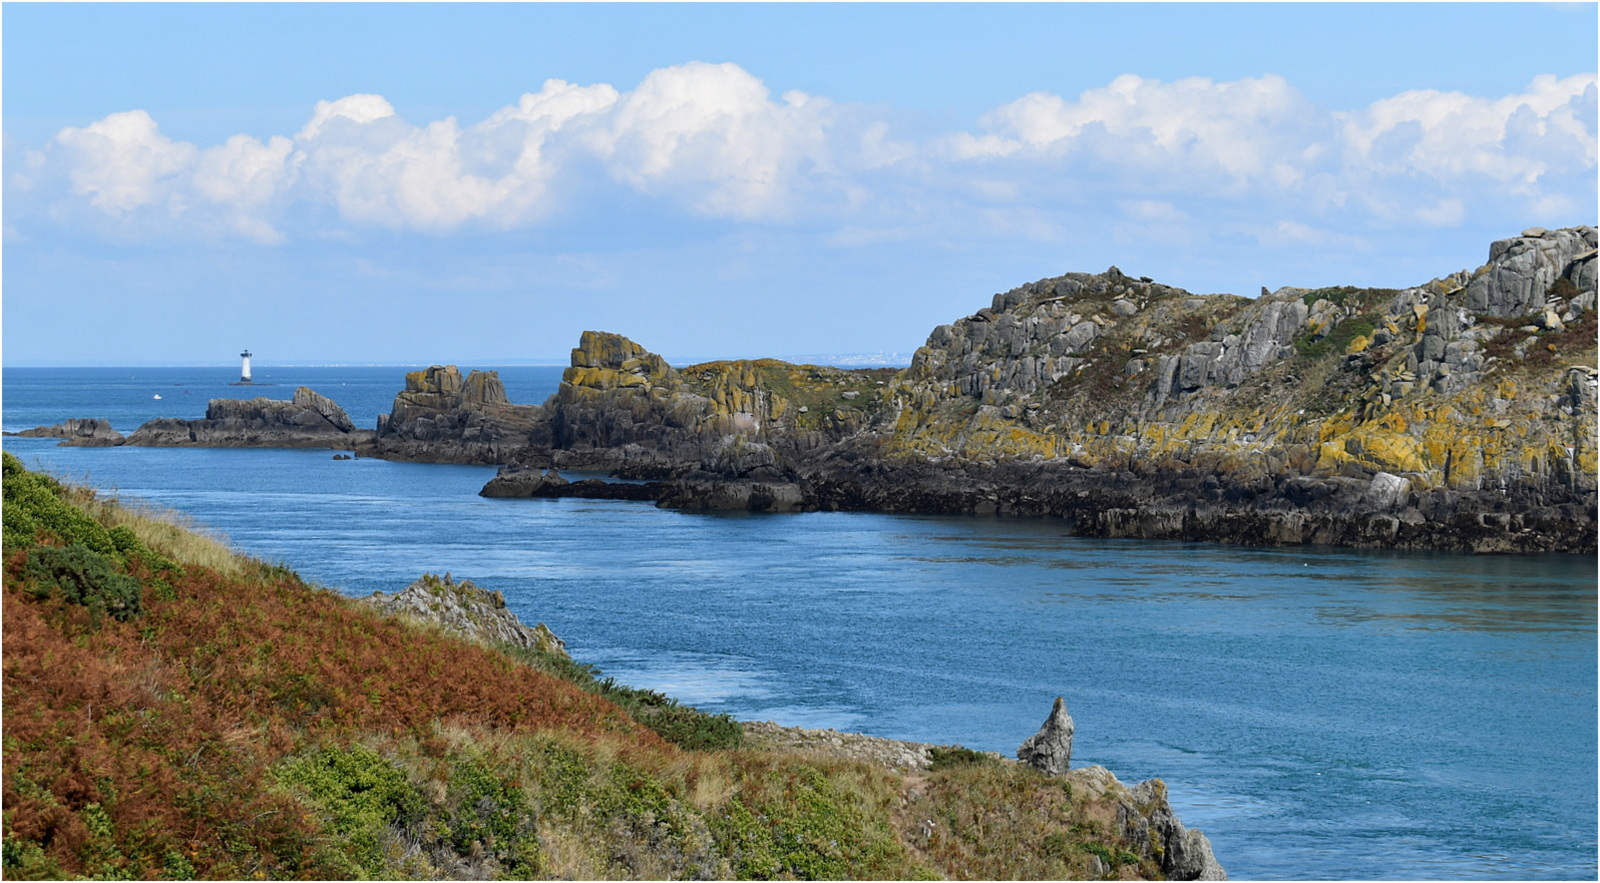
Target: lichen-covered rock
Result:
[622, 408]
[465, 609]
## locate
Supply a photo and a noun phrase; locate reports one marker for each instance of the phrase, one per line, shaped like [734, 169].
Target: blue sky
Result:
[377, 183]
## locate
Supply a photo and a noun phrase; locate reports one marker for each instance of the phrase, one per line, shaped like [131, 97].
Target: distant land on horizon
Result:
[878, 359]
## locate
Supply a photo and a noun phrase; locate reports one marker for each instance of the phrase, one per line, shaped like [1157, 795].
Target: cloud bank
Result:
[710, 141]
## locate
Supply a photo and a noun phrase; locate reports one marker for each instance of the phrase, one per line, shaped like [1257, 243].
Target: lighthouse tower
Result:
[244, 373]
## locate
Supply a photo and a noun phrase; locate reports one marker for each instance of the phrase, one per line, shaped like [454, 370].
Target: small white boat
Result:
[156, 396]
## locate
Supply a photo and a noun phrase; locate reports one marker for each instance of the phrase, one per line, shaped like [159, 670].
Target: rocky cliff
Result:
[441, 417]
[1459, 413]
[1456, 414]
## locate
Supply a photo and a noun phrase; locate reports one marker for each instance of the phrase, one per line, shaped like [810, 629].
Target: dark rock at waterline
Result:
[309, 420]
[75, 432]
[523, 482]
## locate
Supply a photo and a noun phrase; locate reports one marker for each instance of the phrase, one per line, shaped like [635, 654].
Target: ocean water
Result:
[1319, 713]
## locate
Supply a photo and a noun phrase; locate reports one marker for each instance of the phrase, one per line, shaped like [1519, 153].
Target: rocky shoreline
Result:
[1455, 415]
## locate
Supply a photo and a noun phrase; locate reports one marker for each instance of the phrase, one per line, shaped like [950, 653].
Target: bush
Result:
[943, 757]
[489, 813]
[80, 575]
[33, 502]
[361, 793]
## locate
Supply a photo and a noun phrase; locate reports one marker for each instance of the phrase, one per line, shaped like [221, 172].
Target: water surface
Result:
[1319, 713]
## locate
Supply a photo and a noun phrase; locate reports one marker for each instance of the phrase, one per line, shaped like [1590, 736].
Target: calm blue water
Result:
[1320, 714]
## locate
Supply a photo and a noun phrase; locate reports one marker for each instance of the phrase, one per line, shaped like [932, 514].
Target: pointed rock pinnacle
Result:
[1050, 749]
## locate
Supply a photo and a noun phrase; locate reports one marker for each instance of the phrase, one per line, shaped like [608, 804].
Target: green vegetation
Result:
[173, 719]
[943, 757]
[80, 575]
[1349, 296]
[1312, 346]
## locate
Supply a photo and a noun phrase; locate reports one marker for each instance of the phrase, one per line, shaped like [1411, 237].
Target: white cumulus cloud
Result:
[123, 162]
[1515, 139]
[711, 140]
[712, 132]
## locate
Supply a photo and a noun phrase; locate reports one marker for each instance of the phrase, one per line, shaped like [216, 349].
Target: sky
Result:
[478, 184]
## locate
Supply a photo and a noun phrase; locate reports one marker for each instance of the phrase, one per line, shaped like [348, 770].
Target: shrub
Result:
[34, 502]
[79, 575]
[943, 757]
[490, 813]
[361, 793]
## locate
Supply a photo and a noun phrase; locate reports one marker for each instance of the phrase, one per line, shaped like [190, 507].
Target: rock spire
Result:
[1050, 749]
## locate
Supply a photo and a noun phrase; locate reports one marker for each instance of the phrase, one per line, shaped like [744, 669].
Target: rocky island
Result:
[1458, 414]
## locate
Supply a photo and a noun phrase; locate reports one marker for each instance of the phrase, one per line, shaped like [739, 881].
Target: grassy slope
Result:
[231, 721]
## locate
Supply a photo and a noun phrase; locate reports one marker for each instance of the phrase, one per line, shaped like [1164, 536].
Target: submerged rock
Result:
[1050, 749]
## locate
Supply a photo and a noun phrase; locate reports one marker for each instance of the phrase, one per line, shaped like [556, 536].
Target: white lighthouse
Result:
[244, 373]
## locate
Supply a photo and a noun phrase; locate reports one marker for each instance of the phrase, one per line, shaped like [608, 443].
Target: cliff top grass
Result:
[178, 711]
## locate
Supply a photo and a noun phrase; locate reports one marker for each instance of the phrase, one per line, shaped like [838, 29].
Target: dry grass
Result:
[167, 531]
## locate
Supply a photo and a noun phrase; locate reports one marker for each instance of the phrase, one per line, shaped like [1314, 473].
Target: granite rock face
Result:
[442, 417]
[1050, 750]
[465, 609]
[309, 420]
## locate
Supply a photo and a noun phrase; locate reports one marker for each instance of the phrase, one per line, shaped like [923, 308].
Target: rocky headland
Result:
[1139, 818]
[1458, 414]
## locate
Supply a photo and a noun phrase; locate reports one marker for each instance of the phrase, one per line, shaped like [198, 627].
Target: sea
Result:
[1319, 713]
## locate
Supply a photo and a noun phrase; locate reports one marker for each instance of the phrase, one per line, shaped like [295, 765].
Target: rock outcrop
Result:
[1050, 750]
[1147, 819]
[623, 409]
[1141, 816]
[441, 417]
[1458, 414]
[309, 420]
[465, 609]
[91, 433]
